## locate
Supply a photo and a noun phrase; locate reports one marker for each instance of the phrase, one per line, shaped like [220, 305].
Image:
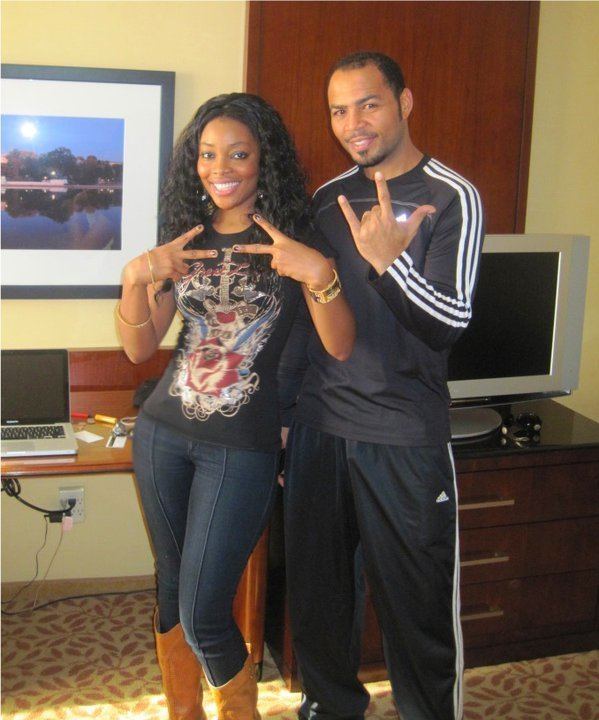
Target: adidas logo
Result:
[443, 497]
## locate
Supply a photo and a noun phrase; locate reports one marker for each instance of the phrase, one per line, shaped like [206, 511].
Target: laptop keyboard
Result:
[32, 432]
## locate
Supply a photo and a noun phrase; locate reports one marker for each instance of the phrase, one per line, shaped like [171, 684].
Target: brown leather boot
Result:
[181, 674]
[237, 699]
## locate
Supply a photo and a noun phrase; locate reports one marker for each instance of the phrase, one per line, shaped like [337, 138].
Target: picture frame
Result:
[81, 180]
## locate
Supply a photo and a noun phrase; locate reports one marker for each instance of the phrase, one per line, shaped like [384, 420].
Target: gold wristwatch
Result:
[328, 293]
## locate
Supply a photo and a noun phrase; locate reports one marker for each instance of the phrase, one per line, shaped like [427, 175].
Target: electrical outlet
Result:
[72, 493]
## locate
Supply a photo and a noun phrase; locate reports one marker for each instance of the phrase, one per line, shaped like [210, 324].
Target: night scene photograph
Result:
[62, 182]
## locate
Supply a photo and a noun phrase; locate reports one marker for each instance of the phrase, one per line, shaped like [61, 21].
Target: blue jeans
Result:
[205, 507]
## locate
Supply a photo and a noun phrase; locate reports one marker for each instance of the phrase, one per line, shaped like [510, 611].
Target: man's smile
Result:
[361, 143]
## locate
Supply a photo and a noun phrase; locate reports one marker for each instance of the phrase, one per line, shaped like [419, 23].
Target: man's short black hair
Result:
[388, 68]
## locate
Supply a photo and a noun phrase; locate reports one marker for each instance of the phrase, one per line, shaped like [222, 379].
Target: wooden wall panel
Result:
[110, 369]
[470, 65]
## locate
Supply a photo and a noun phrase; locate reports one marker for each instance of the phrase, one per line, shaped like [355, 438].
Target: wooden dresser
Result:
[529, 549]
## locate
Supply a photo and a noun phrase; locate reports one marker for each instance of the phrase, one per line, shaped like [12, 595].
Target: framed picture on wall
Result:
[84, 151]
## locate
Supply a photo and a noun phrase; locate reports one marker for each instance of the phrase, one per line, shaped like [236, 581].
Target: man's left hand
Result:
[379, 237]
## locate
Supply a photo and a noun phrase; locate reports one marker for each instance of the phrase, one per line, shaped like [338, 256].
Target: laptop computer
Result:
[35, 404]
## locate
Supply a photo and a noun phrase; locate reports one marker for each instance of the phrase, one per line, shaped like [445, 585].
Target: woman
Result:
[206, 445]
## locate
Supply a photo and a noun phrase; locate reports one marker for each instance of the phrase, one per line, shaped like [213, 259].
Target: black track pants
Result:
[397, 505]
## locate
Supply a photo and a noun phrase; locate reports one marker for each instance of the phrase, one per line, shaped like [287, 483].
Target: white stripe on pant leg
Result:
[458, 697]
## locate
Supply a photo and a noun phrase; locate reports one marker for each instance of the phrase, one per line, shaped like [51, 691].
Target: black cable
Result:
[77, 597]
[12, 487]
[43, 580]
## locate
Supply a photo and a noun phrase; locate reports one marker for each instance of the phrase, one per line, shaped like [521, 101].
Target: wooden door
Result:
[470, 66]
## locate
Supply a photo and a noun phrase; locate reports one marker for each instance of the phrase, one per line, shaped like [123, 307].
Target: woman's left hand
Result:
[291, 258]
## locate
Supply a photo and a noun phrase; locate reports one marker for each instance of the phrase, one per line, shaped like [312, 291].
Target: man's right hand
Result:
[379, 237]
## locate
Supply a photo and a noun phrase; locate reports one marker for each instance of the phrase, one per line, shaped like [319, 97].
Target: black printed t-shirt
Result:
[221, 384]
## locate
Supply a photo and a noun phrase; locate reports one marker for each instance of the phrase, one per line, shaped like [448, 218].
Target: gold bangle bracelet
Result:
[328, 293]
[128, 324]
[150, 267]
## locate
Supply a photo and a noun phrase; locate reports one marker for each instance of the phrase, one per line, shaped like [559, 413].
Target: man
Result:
[370, 464]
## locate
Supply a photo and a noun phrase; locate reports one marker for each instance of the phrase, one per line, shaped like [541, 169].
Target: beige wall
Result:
[203, 42]
[111, 541]
[564, 167]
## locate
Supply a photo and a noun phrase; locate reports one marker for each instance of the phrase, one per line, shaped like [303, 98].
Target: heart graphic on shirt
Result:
[227, 317]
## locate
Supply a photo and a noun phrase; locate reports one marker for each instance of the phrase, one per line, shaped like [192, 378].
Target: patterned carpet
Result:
[94, 658]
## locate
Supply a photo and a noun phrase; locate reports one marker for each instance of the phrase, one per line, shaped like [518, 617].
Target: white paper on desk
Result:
[87, 436]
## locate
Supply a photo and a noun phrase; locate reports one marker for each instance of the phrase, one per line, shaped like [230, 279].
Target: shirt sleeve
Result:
[433, 298]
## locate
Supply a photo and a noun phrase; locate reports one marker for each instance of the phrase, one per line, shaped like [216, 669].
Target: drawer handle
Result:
[484, 560]
[483, 504]
[475, 614]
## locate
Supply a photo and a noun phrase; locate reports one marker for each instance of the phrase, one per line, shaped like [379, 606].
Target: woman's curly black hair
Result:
[282, 197]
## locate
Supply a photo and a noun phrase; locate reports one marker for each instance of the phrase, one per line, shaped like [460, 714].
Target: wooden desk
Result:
[97, 458]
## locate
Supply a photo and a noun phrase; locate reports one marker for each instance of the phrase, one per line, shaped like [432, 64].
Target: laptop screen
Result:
[35, 386]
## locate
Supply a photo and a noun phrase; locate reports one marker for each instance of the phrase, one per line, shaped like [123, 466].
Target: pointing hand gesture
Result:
[379, 237]
[166, 261]
[291, 258]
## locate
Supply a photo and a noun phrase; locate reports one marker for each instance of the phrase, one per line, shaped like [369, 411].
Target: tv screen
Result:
[513, 319]
[525, 336]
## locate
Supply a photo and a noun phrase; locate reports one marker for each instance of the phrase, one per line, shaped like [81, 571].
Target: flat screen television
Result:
[524, 339]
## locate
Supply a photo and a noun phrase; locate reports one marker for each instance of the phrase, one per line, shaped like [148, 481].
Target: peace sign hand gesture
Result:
[166, 261]
[291, 258]
[379, 237]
